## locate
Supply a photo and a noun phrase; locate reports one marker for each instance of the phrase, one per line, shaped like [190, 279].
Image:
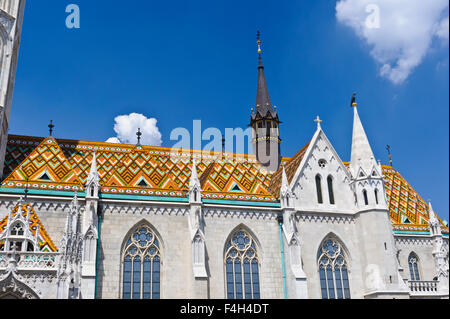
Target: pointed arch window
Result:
[333, 270]
[141, 265]
[376, 196]
[319, 189]
[242, 267]
[413, 263]
[366, 199]
[330, 189]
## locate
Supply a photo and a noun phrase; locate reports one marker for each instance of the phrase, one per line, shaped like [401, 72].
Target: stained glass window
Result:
[242, 267]
[333, 271]
[141, 266]
[413, 262]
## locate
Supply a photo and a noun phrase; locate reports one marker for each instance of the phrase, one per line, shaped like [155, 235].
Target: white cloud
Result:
[403, 35]
[113, 140]
[442, 29]
[126, 127]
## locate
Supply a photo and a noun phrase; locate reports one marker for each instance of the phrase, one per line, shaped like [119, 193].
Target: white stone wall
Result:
[170, 222]
[313, 229]
[422, 246]
[263, 226]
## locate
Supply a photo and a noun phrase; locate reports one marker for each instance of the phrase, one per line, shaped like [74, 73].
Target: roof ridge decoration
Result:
[46, 159]
[35, 225]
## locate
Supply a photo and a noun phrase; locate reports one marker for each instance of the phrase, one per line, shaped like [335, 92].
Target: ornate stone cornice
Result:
[403, 240]
[129, 209]
[239, 213]
[324, 218]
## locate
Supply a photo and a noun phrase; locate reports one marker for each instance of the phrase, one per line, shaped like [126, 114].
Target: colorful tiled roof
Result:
[407, 209]
[131, 170]
[290, 167]
[45, 242]
[161, 172]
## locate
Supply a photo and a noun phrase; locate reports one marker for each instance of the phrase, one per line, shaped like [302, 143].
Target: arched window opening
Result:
[376, 196]
[333, 271]
[141, 265]
[330, 189]
[366, 200]
[413, 262]
[242, 267]
[319, 189]
[17, 230]
[92, 191]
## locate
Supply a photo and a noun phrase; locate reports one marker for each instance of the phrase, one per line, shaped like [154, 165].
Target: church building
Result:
[96, 220]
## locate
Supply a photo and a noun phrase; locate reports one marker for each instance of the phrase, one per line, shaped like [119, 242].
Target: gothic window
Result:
[413, 262]
[333, 271]
[319, 189]
[322, 163]
[366, 200]
[242, 267]
[330, 189]
[17, 230]
[376, 196]
[141, 265]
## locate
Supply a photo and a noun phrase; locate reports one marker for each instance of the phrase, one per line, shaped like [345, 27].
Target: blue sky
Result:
[179, 61]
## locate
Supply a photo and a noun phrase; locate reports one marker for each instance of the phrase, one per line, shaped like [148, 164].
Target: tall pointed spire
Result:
[265, 123]
[93, 173]
[362, 155]
[433, 222]
[263, 102]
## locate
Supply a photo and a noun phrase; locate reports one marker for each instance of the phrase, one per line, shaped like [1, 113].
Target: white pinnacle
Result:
[362, 155]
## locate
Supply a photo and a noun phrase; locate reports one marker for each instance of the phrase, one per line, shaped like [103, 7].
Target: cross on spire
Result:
[139, 134]
[51, 127]
[318, 121]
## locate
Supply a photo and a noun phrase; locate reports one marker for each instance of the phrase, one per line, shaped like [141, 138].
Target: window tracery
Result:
[333, 271]
[242, 267]
[141, 265]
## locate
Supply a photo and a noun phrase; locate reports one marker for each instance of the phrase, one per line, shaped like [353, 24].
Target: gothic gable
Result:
[322, 162]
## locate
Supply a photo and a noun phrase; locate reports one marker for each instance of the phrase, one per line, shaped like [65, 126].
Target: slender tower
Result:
[11, 17]
[265, 123]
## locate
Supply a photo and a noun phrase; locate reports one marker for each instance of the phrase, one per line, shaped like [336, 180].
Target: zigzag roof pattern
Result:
[138, 170]
[45, 242]
[158, 171]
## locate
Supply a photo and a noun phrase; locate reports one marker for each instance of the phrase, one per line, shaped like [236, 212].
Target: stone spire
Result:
[286, 194]
[93, 173]
[194, 185]
[435, 227]
[362, 155]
